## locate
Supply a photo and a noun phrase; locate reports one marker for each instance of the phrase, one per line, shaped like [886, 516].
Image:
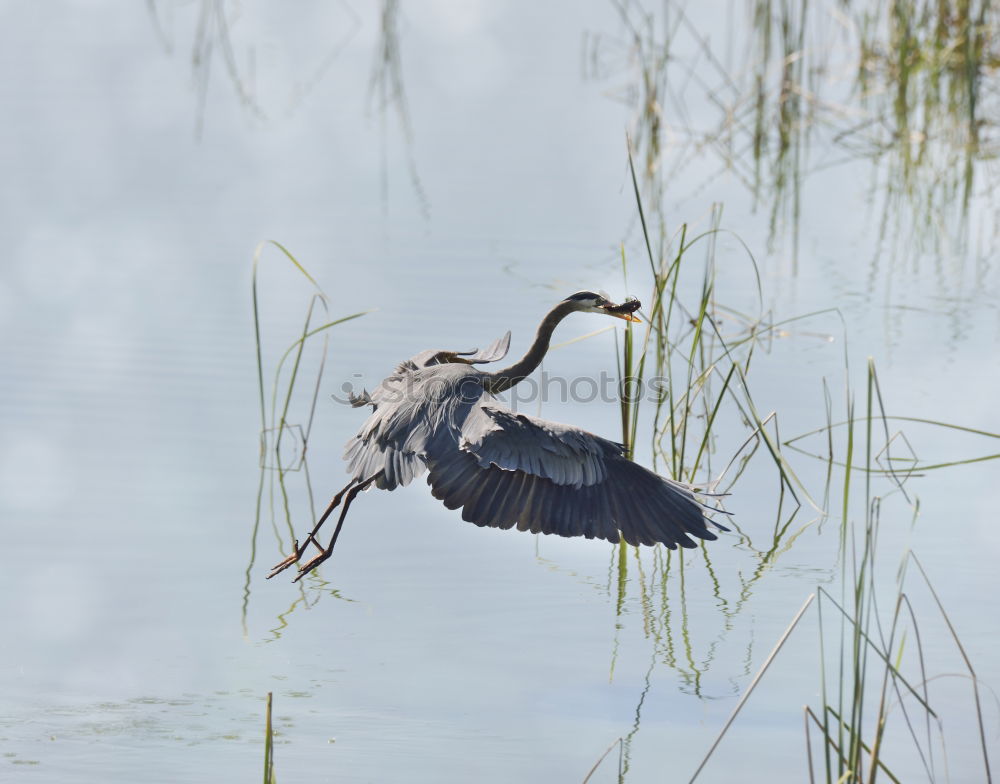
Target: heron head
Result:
[589, 302]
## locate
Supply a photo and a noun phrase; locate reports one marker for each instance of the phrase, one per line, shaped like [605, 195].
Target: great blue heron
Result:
[437, 414]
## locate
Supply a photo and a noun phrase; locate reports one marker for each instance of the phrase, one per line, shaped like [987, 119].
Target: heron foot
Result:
[278, 568]
[312, 563]
[349, 493]
[297, 552]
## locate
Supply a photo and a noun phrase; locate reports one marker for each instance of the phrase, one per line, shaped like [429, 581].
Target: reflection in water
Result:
[388, 94]
[920, 105]
[305, 600]
[921, 75]
[647, 57]
[232, 35]
[626, 757]
[211, 35]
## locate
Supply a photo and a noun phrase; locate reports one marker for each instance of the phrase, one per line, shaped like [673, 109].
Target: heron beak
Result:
[626, 317]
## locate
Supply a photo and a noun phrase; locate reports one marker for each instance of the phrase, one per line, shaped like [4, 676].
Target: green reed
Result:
[705, 350]
[287, 395]
[269, 777]
[703, 372]
[704, 409]
[868, 693]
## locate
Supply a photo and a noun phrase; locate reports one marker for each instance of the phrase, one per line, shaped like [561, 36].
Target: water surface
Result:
[456, 170]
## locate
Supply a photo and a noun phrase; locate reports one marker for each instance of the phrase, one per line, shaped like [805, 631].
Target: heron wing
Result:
[515, 470]
[513, 441]
[412, 409]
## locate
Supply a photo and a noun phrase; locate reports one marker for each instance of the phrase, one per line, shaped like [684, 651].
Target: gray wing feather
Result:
[632, 504]
[514, 470]
[518, 442]
[410, 408]
[413, 410]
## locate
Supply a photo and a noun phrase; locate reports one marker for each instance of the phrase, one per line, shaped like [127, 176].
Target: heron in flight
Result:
[438, 414]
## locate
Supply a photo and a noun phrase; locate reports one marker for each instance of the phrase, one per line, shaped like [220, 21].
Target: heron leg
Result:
[300, 550]
[352, 493]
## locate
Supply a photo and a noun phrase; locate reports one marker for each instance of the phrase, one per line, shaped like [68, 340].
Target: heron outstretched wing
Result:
[560, 453]
[511, 470]
[506, 469]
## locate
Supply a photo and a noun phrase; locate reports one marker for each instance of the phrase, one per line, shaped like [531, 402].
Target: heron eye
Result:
[600, 302]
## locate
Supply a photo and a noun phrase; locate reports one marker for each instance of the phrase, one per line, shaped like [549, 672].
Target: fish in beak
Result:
[624, 311]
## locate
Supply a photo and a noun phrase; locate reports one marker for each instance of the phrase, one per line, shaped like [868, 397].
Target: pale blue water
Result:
[430, 650]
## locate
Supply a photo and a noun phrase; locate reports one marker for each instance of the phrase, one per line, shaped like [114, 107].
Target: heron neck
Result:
[503, 380]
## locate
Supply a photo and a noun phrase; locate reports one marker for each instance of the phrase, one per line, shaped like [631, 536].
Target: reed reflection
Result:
[907, 86]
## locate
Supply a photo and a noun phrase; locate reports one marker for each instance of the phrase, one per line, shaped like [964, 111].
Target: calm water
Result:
[456, 170]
